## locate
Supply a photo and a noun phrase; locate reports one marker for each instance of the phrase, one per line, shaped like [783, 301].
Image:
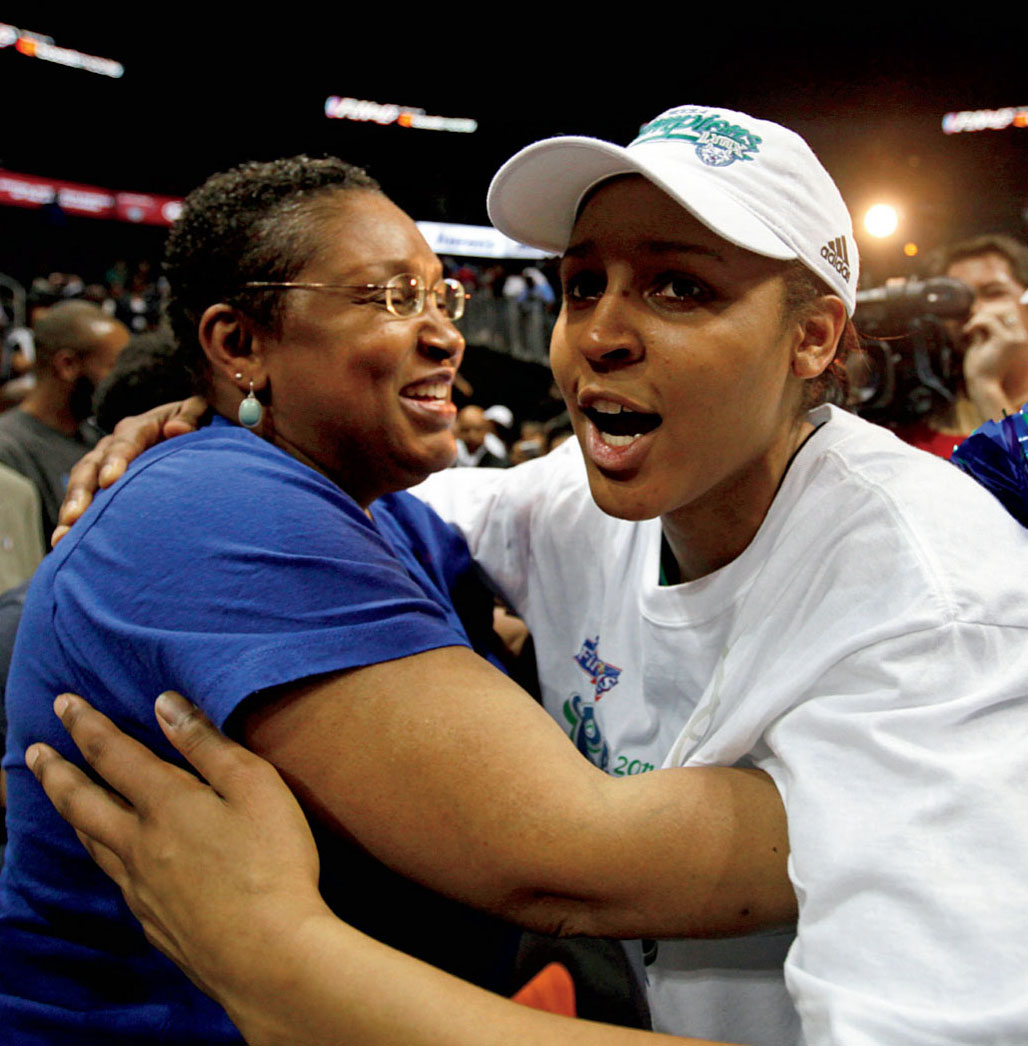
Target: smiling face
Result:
[676, 357]
[354, 391]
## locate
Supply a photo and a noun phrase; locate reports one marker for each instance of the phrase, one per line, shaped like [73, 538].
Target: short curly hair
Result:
[256, 222]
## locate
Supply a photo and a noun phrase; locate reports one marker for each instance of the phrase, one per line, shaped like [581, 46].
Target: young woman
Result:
[753, 582]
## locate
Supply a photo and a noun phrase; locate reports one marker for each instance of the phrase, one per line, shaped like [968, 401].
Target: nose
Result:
[609, 336]
[438, 337]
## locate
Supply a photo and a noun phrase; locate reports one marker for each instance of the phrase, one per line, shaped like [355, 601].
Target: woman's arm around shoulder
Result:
[327, 982]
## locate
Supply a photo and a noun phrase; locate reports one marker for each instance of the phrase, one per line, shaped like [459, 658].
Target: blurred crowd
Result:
[131, 294]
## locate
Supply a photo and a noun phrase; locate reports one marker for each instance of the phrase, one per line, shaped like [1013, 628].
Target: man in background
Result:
[993, 343]
[76, 345]
[473, 429]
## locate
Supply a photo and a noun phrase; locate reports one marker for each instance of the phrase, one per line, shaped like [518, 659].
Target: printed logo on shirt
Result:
[585, 732]
[602, 674]
[719, 142]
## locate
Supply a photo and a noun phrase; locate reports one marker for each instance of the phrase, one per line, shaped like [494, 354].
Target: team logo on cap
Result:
[719, 142]
[834, 252]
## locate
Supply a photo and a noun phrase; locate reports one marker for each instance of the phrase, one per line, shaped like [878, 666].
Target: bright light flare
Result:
[881, 220]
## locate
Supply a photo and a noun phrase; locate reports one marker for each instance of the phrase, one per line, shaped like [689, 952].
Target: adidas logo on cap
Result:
[834, 252]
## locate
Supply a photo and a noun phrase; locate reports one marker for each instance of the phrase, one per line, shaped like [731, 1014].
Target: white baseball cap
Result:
[753, 182]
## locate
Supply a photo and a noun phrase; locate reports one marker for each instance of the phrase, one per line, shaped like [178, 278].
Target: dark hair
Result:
[1007, 247]
[255, 222]
[147, 372]
[803, 288]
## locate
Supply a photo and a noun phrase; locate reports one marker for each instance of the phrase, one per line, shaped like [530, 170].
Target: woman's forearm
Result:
[329, 983]
[224, 879]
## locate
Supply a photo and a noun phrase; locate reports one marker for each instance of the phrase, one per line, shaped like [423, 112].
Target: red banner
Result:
[91, 201]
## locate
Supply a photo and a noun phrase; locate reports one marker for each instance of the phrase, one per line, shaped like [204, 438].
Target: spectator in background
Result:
[145, 374]
[501, 424]
[139, 307]
[537, 287]
[472, 430]
[993, 342]
[19, 345]
[467, 274]
[492, 280]
[21, 534]
[514, 286]
[531, 444]
[76, 345]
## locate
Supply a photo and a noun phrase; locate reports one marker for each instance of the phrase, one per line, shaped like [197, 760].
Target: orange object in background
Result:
[551, 989]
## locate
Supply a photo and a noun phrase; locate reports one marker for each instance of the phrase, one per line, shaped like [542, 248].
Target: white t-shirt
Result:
[869, 650]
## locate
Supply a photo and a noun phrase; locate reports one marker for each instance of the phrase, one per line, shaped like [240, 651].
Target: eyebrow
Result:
[579, 250]
[386, 267]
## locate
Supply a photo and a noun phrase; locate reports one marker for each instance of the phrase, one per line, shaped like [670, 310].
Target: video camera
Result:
[911, 362]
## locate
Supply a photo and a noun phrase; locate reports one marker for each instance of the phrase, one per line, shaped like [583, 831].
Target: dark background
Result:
[200, 94]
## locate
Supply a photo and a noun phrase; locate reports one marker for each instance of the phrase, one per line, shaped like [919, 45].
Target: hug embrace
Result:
[818, 631]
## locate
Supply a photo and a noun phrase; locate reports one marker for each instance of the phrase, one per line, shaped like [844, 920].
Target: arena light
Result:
[985, 119]
[35, 45]
[362, 111]
[881, 220]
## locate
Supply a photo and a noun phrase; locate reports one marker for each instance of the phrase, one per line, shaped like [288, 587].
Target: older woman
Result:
[271, 564]
[756, 583]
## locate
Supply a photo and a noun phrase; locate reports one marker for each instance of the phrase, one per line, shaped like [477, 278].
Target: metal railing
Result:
[518, 329]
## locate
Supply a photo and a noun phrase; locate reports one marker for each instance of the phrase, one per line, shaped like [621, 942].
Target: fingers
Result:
[229, 768]
[125, 764]
[186, 418]
[107, 461]
[83, 481]
[130, 438]
[995, 319]
[99, 818]
[106, 859]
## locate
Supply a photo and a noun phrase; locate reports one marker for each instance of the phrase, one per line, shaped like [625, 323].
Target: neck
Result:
[227, 405]
[48, 403]
[709, 534]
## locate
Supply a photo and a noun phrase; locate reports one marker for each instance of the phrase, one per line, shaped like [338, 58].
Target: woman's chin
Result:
[622, 499]
[439, 454]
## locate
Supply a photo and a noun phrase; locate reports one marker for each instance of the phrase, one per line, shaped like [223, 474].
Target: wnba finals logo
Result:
[602, 674]
[834, 252]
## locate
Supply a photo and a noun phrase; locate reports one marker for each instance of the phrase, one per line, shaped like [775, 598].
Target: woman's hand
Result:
[243, 837]
[106, 462]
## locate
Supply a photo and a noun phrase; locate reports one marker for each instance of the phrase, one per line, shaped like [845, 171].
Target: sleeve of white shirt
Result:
[493, 509]
[905, 778]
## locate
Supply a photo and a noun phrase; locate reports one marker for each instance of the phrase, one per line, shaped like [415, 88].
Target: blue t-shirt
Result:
[219, 566]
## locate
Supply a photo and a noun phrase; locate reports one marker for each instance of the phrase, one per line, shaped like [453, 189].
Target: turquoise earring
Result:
[250, 410]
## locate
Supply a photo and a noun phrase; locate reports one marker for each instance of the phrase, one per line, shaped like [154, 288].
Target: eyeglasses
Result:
[404, 295]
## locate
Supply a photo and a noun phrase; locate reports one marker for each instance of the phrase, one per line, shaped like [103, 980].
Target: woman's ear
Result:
[226, 337]
[822, 325]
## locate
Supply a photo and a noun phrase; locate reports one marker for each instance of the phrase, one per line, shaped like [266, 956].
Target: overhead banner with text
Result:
[91, 201]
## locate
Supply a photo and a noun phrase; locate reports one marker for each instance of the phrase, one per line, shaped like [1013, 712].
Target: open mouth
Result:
[427, 391]
[618, 426]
